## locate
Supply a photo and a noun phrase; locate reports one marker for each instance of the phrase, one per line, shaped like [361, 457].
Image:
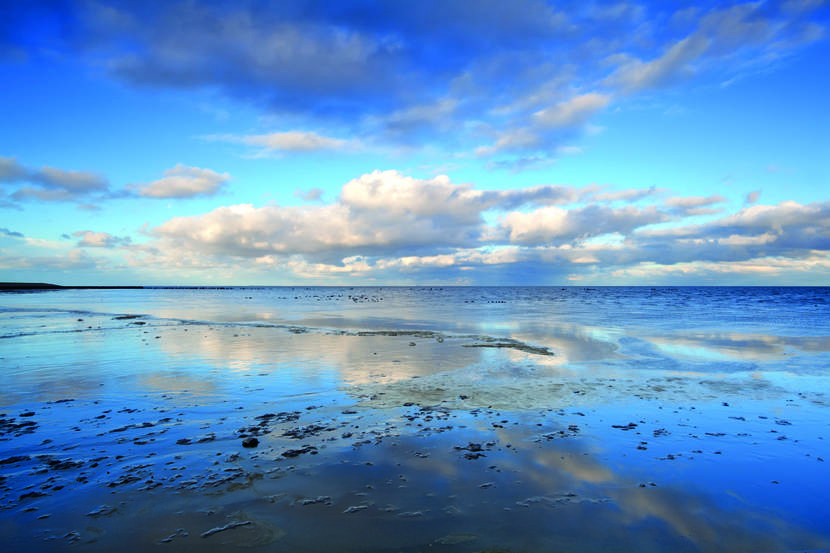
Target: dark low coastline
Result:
[45, 286]
[35, 286]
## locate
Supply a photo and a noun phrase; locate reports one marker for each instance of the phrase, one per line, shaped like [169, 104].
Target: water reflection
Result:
[740, 346]
[434, 444]
[529, 500]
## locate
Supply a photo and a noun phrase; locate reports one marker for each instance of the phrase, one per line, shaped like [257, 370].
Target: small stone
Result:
[250, 442]
[101, 511]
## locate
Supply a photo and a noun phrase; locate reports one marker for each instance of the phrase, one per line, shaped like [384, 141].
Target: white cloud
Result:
[556, 225]
[786, 218]
[546, 127]
[676, 62]
[687, 202]
[773, 267]
[696, 205]
[184, 182]
[50, 184]
[395, 193]
[392, 191]
[93, 239]
[721, 35]
[629, 195]
[573, 112]
[288, 142]
[295, 141]
[517, 139]
[375, 213]
[72, 260]
[385, 224]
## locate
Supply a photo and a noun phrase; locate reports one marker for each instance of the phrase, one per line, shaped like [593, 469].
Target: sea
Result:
[404, 419]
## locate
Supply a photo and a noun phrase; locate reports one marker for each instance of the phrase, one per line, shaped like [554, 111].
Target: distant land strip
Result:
[11, 286]
[44, 286]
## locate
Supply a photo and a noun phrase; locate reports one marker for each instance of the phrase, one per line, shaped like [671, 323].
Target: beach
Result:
[415, 419]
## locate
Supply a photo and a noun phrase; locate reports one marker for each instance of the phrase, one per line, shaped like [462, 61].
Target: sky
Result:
[415, 143]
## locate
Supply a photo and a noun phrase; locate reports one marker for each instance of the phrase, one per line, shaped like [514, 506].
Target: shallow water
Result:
[411, 419]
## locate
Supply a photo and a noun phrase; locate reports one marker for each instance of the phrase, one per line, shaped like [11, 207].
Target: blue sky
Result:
[523, 142]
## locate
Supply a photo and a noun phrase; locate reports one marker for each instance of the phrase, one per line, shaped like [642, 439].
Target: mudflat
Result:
[505, 419]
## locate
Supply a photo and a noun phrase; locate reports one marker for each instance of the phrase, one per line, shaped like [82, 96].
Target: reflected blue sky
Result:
[702, 440]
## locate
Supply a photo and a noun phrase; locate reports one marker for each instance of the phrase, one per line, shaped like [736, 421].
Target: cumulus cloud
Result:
[392, 191]
[393, 220]
[184, 182]
[554, 225]
[385, 223]
[790, 220]
[377, 212]
[784, 217]
[787, 230]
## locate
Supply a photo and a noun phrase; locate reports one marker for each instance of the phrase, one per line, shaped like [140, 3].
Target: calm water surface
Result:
[415, 419]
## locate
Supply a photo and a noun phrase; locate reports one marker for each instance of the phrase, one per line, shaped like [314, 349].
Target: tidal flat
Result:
[386, 419]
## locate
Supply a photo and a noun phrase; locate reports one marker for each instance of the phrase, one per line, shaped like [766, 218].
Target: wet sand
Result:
[143, 433]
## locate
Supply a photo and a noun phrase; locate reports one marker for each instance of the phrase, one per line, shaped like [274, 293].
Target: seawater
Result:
[415, 418]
